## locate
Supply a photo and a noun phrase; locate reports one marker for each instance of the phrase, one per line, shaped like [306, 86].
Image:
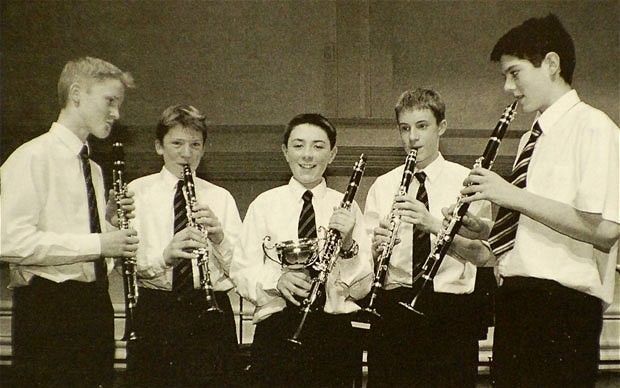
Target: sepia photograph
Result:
[320, 193]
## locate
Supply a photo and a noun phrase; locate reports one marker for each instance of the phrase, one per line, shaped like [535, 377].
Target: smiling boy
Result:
[327, 357]
[555, 236]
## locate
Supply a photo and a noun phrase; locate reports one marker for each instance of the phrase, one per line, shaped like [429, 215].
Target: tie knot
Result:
[420, 176]
[84, 152]
[307, 197]
[179, 185]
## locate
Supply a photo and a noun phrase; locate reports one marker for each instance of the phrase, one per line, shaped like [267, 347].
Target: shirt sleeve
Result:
[255, 276]
[355, 275]
[25, 181]
[598, 186]
[150, 262]
[371, 211]
[231, 224]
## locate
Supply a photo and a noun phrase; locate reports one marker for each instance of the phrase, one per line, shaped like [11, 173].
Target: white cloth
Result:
[154, 222]
[275, 213]
[44, 216]
[575, 162]
[443, 184]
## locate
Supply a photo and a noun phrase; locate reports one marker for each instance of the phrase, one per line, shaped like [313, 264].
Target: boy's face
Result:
[181, 145]
[418, 129]
[308, 154]
[99, 105]
[527, 83]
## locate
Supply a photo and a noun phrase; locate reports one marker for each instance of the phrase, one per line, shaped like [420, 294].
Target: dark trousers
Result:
[181, 345]
[63, 334]
[546, 335]
[439, 349]
[327, 357]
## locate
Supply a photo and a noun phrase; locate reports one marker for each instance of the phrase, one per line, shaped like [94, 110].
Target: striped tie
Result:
[504, 231]
[307, 224]
[101, 273]
[421, 241]
[182, 275]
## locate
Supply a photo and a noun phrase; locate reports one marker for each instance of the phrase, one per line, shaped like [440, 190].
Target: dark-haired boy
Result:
[54, 237]
[327, 357]
[555, 237]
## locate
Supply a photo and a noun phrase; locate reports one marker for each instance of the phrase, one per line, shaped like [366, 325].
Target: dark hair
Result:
[315, 119]
[184, 115]
[536, 37]
[422, 99]
[88, 69]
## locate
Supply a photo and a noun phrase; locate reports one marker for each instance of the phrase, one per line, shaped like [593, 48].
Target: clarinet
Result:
[328, 255]
[394, 224]
[447, 233]
[129, 268]
[202, 254]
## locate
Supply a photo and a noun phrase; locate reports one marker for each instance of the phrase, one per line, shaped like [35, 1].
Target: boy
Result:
[179, 343]
[555, 236]
[327, 357]
[52, 201]
[440, 348]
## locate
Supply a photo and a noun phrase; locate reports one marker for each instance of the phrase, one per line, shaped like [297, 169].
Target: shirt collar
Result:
[433, 170]
[297, 189]
[169, 179]
[551, 115]
[68, 138]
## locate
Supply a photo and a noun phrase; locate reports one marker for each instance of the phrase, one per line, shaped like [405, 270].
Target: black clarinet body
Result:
[202, 254]
[128, 265]
[446, 234]
[328, 254]
[383, 261]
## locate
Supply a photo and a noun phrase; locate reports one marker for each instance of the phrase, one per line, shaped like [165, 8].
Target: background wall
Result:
[252, 65]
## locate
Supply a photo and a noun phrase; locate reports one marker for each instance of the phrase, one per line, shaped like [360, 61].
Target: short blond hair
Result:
[89, 68]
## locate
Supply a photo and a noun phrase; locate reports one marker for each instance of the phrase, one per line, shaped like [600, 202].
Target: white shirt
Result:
[275, 213]
[444, 180]
[45, 218]
[575, 162]
[154, 222]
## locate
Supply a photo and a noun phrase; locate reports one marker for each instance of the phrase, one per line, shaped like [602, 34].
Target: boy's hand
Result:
[473, 227]
[414, 212]
[182, 244]
[380, 236]
[207, 218]
[294, 283]
[127, 204]
[486, 184]
[119, 243]
[343, 221]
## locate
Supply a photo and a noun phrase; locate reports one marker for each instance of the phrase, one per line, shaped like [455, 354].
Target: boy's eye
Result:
[404, 128]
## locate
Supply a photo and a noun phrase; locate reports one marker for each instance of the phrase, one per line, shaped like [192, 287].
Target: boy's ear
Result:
[285, 152]
[333, 153]
[443, 125]
[159, 148]
[553, 63]
[74, 93]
